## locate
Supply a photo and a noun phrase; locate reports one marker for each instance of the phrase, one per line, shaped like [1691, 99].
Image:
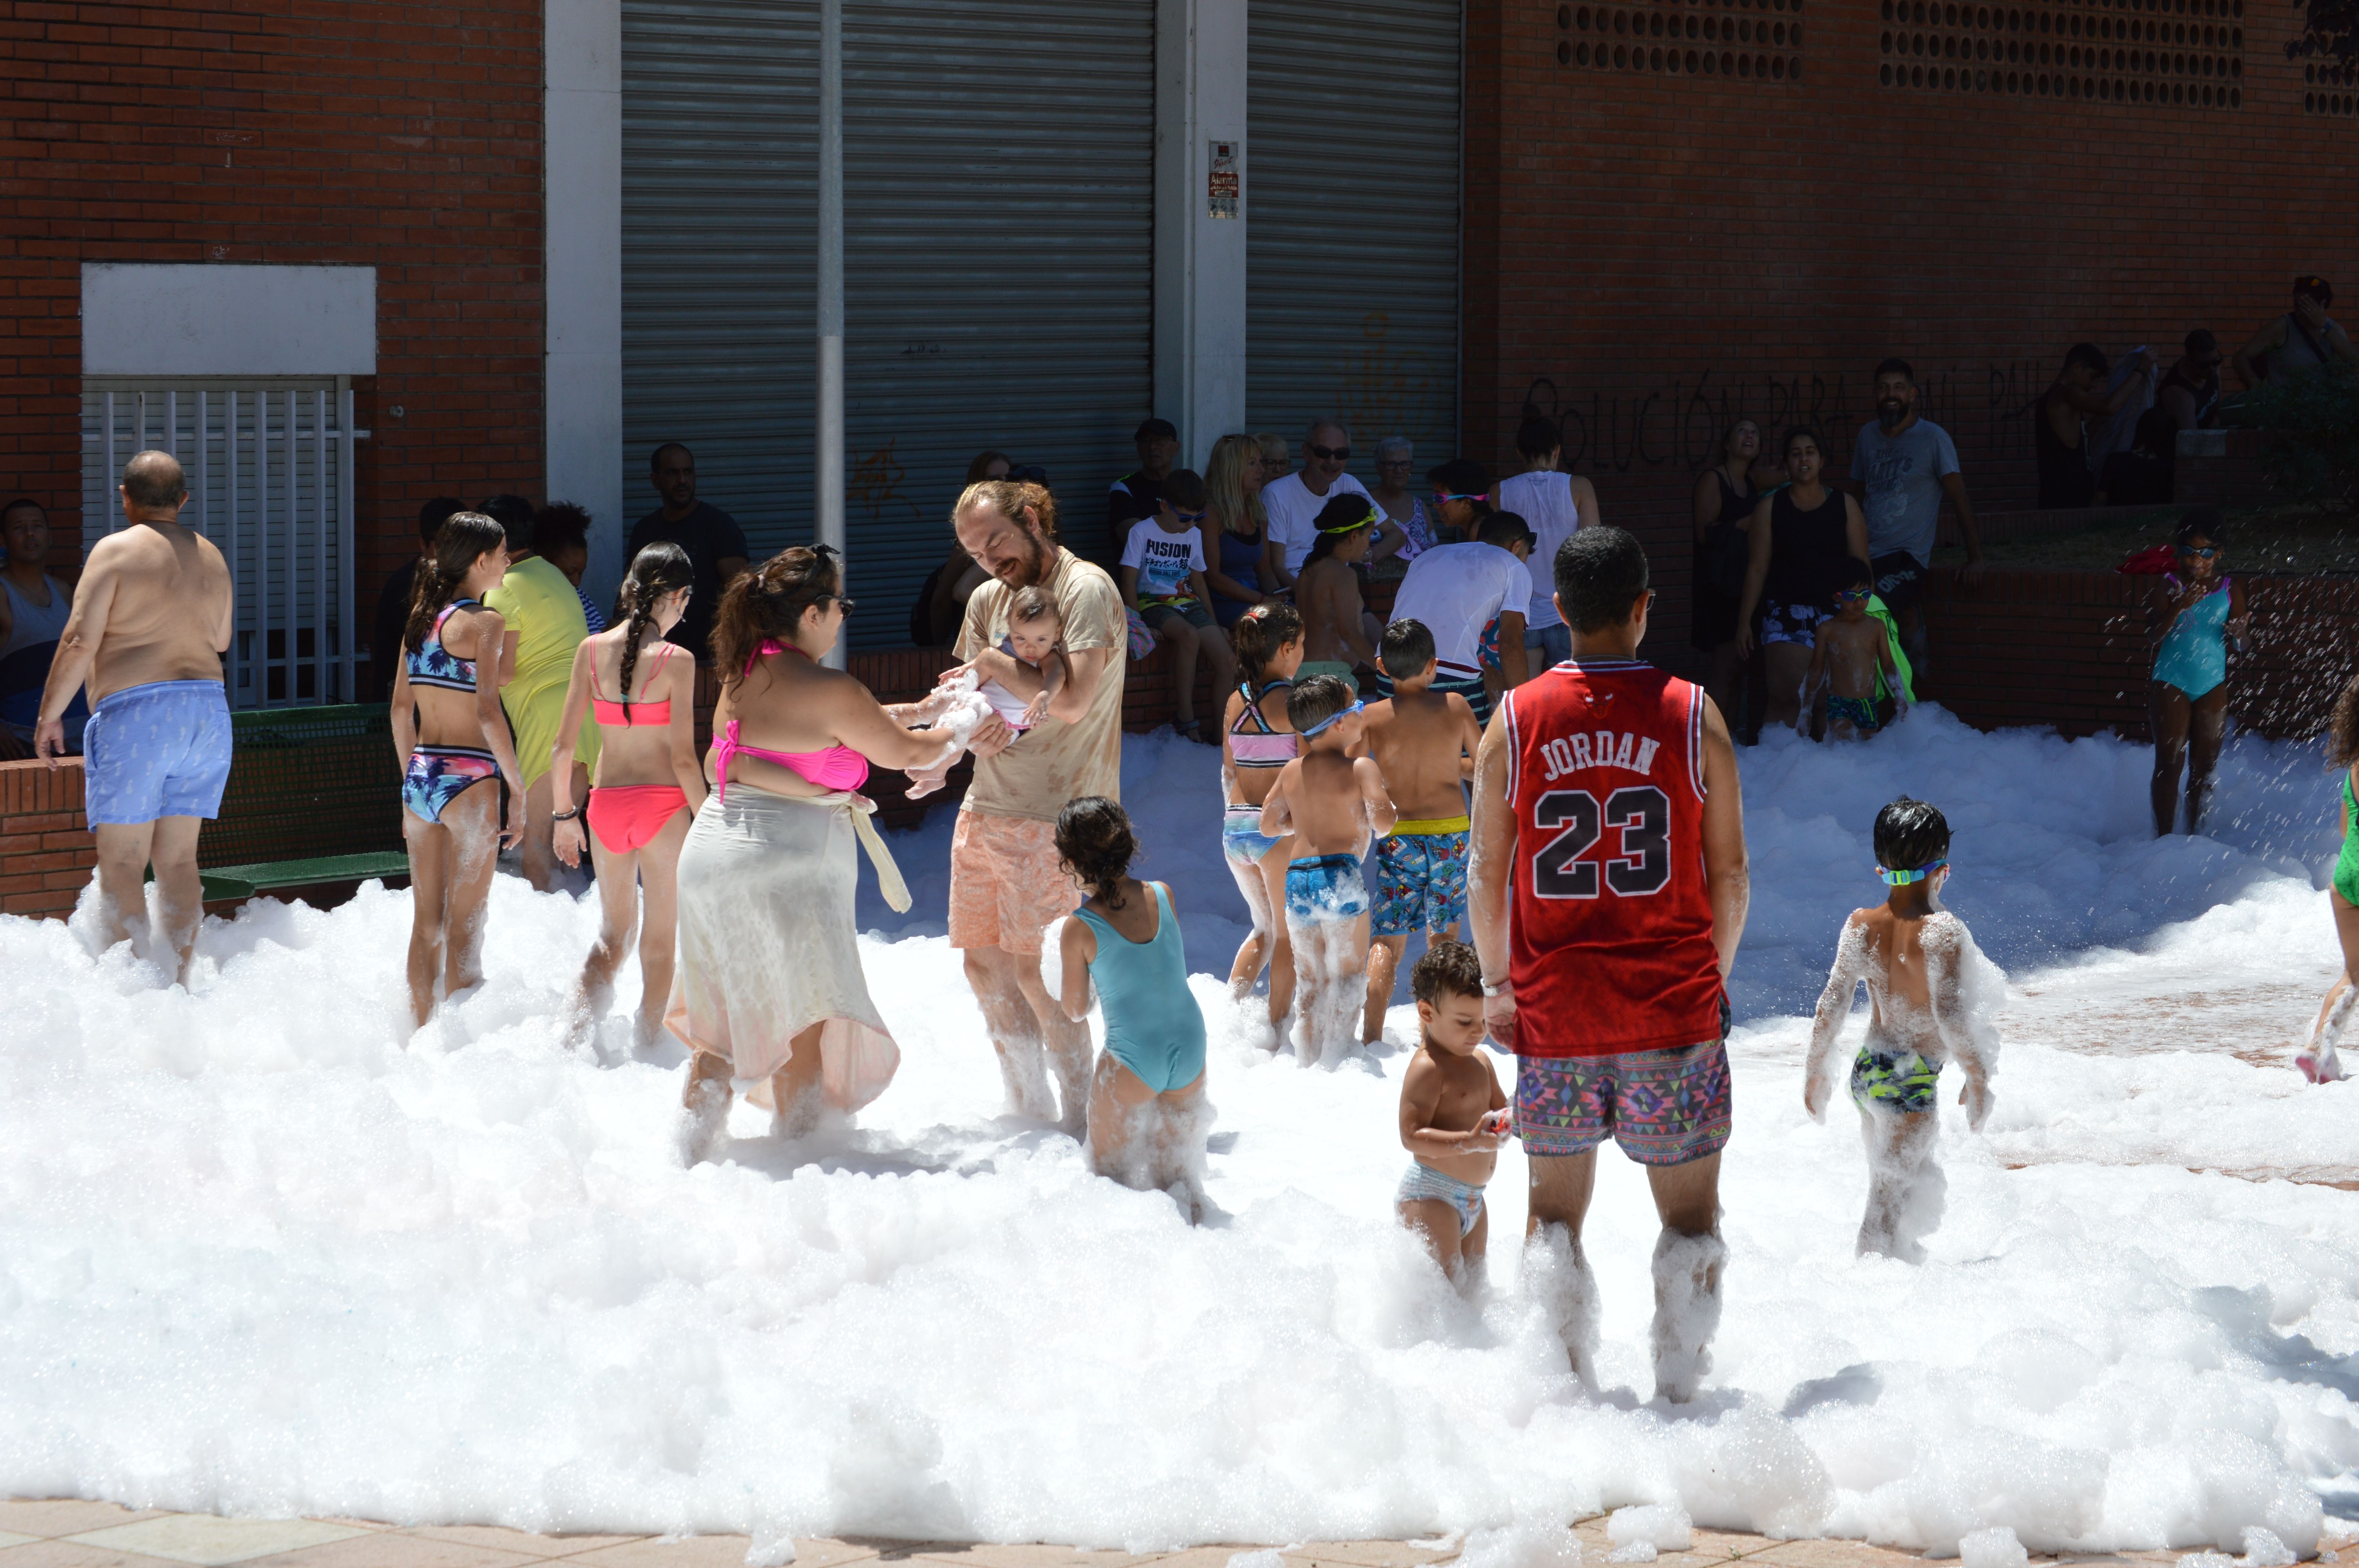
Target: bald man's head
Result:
[153, 482]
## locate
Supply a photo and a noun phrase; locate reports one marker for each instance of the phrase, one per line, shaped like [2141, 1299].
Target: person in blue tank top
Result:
[1147, 1111]
[2202, 609]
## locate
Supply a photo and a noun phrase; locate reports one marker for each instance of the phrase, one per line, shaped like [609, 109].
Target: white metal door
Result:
[270, 466]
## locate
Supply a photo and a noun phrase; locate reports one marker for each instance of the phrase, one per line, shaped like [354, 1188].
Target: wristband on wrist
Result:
[1495, 988]
[565, 816]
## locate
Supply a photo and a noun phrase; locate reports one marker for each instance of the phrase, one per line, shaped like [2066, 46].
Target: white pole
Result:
[830, 446]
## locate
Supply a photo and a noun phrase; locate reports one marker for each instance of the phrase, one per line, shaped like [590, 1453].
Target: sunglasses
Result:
[1187, 516]
[1854, 595]
[842, 604]
[1333, 454]
[2204, 554]
[1444, 497]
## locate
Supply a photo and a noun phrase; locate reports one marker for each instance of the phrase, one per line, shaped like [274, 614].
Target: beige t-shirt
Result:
[1055, 762]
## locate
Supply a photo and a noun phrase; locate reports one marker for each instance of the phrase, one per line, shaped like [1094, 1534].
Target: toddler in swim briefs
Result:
[1453, 1114]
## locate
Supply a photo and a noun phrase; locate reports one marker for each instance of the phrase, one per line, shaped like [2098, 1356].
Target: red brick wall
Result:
[404, 135]
[2073, 650]
[46, 850]
[1653, 253]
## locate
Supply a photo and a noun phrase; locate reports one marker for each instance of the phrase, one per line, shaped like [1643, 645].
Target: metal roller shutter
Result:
[998, 260]
[1352, 212]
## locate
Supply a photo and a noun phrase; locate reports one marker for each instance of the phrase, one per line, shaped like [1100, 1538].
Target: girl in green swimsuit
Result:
[2319, 1063]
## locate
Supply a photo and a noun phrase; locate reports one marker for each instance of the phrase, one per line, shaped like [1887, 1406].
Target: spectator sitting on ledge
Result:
[2061, 432]
[2189, 391]
[1134, 495]
[2305, 338]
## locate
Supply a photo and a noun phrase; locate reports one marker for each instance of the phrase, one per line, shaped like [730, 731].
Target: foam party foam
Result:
[264, 1250]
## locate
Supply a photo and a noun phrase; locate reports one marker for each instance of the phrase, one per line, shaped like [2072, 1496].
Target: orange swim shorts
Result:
[1006, 882]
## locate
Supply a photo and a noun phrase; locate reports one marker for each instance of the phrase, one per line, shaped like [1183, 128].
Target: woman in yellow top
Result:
[545, 624]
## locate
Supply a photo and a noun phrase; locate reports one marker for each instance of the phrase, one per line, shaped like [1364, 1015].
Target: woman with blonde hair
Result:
[1232, 498]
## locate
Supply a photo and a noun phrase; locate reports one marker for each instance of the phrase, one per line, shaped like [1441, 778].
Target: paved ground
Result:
[99, 1535]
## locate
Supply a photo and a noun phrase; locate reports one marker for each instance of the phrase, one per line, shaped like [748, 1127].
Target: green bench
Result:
[314, 797]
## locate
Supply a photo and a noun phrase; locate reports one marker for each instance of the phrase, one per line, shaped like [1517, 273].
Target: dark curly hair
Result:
[1095, 839]
[767, 604]
[1449, 969]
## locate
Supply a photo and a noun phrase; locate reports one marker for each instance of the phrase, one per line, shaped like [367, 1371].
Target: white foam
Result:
[1666, 1527]
[1993, 1548]
[263, 1251]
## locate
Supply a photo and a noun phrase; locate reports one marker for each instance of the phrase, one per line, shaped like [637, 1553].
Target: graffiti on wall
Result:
[1986, 410]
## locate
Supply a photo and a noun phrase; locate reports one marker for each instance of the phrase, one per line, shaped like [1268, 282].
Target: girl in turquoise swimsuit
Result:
[2319, 1063]
[2203, 608]
[1148, 1112]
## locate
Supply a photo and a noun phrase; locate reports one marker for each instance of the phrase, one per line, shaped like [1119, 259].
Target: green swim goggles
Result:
[1902, 879]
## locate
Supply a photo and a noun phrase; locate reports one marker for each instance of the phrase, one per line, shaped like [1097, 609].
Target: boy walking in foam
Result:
[1852, 658]
[1423, 742]
[1607, 818]
[1452, 1113]
[151, 617]
[1334, 803]
[1929, 991]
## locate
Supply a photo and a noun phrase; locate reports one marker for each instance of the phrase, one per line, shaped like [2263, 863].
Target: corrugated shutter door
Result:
[998, 260]
[1352, 212]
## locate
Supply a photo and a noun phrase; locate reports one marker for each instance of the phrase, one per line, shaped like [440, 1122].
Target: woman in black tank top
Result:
[1724, 499]
[1799, 537]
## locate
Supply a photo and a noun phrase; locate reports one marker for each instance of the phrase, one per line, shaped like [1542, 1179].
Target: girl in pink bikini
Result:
[770, 984]
[646, 788]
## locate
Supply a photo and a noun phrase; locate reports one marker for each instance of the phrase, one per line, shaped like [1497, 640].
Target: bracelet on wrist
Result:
[565, 816]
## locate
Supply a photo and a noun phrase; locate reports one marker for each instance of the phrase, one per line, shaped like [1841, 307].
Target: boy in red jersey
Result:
[1607, 895]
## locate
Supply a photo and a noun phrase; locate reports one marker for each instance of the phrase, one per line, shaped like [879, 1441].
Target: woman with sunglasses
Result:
[1798, 537]
[2200, 609]
[769, 982]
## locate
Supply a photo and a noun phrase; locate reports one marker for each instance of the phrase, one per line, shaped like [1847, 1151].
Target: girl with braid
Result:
[646, 788]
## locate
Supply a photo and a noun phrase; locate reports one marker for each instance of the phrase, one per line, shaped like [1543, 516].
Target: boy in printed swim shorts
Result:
[1926, 992]
[1334, 803]
[151, 615]
[1423, 742]
[1852, 661]
[1453, 1114]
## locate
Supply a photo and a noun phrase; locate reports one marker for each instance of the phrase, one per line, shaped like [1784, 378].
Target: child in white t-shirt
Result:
[1162, 576]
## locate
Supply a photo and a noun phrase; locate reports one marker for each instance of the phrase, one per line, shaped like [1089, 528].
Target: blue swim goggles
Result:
[1342, 713]
[1902, 879]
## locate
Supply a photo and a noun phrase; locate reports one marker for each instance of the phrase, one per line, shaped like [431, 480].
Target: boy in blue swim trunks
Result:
[1423, 742]
[1333, 801]
[1454, 1115]
[151, 616]
[1930, 993]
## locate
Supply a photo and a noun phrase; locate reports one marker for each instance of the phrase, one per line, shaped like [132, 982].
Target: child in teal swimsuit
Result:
[1148, 1112]
[2190, 695]
[2319, 1063]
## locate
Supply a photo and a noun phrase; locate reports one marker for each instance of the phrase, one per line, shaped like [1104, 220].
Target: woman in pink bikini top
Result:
[770, 868]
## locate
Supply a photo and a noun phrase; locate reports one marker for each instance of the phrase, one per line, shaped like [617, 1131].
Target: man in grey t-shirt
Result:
[1906, 465]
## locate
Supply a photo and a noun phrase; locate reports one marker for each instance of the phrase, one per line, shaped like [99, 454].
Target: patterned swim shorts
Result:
[1894, 1080]
[1420, 883]
[1664, 1108]
[1325, 888]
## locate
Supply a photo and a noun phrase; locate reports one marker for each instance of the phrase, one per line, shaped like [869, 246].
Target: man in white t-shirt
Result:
[1556, 506]
[1472, 597]
[1292, 503]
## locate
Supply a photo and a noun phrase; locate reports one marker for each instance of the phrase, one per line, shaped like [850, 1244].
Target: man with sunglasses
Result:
[1292, 503]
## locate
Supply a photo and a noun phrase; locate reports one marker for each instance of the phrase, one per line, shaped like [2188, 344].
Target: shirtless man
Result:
[1924, 980]
[1423, 742]
[151, 618]
[1334, 634]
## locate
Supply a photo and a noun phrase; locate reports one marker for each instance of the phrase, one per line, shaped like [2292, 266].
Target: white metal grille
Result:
[269, 465]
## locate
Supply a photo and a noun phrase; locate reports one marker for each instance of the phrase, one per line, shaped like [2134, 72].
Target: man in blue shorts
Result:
[151, 618]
